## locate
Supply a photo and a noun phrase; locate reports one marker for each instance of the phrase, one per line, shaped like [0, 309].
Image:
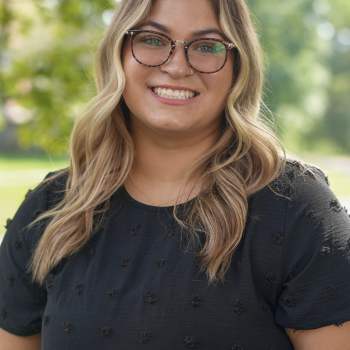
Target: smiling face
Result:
[168, 99]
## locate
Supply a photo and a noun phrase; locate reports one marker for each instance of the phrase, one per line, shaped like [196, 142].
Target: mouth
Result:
[174, 94]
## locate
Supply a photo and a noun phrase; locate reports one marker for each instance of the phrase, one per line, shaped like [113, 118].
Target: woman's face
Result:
[202, 114]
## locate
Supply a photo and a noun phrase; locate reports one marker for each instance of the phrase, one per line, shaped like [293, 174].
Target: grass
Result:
[19, 161]
[18, 173]
[340, 184]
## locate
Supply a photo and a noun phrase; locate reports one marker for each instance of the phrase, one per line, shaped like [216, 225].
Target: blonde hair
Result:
[245, 159]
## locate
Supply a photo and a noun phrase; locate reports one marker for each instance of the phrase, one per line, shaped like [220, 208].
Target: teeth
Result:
[173, 94]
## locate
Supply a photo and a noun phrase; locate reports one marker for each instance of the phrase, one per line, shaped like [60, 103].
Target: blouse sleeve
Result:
[315, 268]
[22, 302]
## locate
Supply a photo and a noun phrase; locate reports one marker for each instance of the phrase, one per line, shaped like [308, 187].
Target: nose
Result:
[177, 66]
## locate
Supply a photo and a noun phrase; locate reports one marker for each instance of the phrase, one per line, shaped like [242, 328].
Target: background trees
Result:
[307, 44]
[46, 68]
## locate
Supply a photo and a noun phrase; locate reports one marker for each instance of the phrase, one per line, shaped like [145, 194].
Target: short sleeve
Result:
[315, 267]
[22, 302]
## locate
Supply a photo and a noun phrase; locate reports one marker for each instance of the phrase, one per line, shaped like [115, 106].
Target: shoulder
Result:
[315, 242]
[23, 300]
[300, 206]
[52, 188]
[316, 227]
[313, 213]
[307, 183]
[312, 205]
[300, 184]
[47, 194]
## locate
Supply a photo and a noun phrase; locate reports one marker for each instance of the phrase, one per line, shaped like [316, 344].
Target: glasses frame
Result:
[133, 33]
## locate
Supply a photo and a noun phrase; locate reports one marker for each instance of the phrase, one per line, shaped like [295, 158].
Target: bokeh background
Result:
[46, 77]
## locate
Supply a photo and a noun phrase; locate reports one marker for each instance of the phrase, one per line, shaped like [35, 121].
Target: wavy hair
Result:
[246, 157]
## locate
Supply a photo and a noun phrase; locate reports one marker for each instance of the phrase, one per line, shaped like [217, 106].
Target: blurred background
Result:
[46, 57]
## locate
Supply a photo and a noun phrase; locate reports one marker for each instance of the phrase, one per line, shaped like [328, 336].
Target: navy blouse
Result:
[137, 285]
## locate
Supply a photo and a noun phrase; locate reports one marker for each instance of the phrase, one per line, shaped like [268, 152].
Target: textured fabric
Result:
[136, 285]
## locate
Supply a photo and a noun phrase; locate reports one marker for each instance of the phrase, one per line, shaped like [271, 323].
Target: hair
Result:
[246, 157]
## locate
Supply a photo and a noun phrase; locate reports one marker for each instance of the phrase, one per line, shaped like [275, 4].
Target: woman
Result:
[179, 224]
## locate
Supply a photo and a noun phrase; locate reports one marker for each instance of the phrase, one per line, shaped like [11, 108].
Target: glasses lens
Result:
[150, 48]
[207, 55]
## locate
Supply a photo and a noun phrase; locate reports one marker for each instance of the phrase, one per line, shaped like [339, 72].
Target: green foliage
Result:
[48, 67]
[309, 82]
[51, 74]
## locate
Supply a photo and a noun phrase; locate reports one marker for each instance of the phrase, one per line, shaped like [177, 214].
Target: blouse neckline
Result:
[153, 208]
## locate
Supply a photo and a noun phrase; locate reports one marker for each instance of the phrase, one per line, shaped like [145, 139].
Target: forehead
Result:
[184, 16]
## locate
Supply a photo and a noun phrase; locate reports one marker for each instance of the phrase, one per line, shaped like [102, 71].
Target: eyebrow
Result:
[196, 33]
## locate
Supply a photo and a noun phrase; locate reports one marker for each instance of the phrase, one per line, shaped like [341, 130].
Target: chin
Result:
[169, 128]
[169, 125]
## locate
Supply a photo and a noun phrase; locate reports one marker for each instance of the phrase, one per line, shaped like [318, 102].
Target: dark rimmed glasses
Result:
[205, 55]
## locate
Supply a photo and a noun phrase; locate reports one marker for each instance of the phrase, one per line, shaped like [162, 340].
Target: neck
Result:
[161, 162]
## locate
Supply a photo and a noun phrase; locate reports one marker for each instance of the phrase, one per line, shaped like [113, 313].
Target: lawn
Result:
[340, 184]
[18, 173]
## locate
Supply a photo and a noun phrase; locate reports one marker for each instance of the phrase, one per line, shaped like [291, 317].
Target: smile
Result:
[174, 94]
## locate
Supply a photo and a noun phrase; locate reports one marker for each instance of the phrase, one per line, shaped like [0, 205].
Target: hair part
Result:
[246, 157]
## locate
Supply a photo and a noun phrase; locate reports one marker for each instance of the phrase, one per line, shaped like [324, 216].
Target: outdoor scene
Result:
[46, 78]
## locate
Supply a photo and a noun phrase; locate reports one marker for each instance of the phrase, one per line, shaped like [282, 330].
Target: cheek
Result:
[220, 83]
[227, 73]
[219, 87]
[135, 80]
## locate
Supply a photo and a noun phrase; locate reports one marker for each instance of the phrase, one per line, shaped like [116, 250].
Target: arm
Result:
[10, 341]
[325, 338]
[22, 302]
[315, 293]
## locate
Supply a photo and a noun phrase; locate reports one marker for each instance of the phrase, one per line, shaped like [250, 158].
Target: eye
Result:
[153, 41]
[209, 47]
[204, 48]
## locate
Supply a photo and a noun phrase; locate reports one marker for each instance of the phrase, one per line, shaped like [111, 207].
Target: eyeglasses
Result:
[153, 49]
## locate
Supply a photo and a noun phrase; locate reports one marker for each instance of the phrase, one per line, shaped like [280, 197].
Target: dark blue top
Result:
[136, 285]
